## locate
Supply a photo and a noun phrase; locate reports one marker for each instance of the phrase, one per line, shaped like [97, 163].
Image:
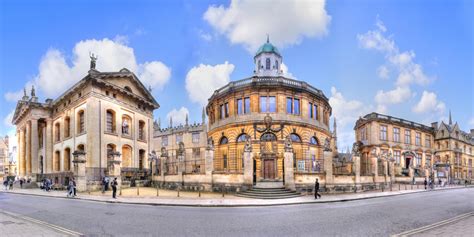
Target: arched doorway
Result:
[268, 151]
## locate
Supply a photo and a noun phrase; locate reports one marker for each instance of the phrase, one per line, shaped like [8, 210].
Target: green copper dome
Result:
[267, 48]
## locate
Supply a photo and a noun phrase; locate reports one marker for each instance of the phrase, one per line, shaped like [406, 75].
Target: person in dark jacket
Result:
[74, 186]
[316, 189]
[21, 183]
[426, 183]
[114, 188]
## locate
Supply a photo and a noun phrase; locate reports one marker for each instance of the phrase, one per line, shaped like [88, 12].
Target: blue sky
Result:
[411, 59]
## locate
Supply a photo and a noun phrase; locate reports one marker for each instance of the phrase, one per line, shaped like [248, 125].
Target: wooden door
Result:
[269, 169]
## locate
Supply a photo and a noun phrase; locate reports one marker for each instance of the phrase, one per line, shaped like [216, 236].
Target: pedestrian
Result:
[107, 181]
[316, 189]
[414, 182]
[74, 186]
[439, 181]
[426, 183]
[21, 183]
[5, 183]
[103, 184]
[70, 189]
[10, 183]
[114, 188]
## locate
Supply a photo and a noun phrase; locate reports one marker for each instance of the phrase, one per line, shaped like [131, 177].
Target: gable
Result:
[128, 84]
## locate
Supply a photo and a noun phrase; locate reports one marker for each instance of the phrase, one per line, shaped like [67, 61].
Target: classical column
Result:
[289, 170]
[34, 148]
[328, 169]
[375, 168]
[28, 149]
[48, 160]
[356, 160]
[21, 153]
[209, 168]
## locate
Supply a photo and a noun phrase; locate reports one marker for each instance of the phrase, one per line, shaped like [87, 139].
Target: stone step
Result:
[268, 193]
[247, 195]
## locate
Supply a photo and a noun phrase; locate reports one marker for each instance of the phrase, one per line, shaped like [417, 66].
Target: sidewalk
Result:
[215, 199]
[13, 225]
[462, 225]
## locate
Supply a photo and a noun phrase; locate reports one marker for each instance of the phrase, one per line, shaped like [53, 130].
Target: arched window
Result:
[141, 130]
[267, 64]
[276, 64]
[126, 156]
[57, 133]
[259, 64]
[313, 141]
[242, 137]
[295, 138]
[128, 89]
[110, 121]
[80, 122]
[56, 163]
[126, 125]
[268, 137]
[67, 159]
[67, 126]
[223, 141]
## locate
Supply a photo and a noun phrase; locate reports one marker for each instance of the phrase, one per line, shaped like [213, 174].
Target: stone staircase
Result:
[268, 191]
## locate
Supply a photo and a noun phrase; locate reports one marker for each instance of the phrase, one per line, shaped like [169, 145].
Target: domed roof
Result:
[267, 48]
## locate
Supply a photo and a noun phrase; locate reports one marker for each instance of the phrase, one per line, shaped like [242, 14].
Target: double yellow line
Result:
[42, 223]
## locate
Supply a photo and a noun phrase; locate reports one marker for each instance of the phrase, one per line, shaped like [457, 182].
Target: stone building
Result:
[407, 151]
[4, 157]
[186, 142]
[101, 125]
[263, 129]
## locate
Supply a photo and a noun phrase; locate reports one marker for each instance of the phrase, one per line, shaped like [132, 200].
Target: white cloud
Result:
[14, 96]
[7, 121]
[203, 80]
[154, 74]
[346, 111]
[406, 71]
[205, 36]
[179, 116]
[471, 122]
[383, 72]
[429, 104]
[56, 74]
[247, 22]
[395, 96]
[285, 71]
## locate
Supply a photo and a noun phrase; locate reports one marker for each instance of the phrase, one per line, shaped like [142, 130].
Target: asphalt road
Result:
[371, 217]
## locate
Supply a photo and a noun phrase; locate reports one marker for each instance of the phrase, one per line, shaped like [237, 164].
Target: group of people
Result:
[105, 186]
[46, 185]
[8, 184]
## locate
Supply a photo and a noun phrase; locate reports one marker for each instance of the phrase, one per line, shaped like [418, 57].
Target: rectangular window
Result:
[289, 105]
[224, 158]
[363, 134]
[195, 137]
[110, 122]
[418, 139]
[310, 112]
[240, 106]
[316, 115]
[226, 105]
[297, 106]
[396, 134]
[164, 141]
[383, 133]
[418, 160]
[428, 141]
[81, 122]
[396, 155]
[428, 160]
[179, 138]
[268, 104]
[407, 136]
[222, 111]
[247, 105]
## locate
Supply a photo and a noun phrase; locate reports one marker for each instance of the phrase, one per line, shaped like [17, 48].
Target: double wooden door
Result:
[269, 169]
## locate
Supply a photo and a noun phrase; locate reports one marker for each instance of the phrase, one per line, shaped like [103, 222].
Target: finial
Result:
[33, 93]
[24, 92]
[159, 122]
[171, 122]
[93, 59]
[186, 119]
[203, 115]
[268, 38]
[450, 120]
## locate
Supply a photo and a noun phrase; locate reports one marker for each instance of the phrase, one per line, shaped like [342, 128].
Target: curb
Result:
[235, 205]
[435, 225]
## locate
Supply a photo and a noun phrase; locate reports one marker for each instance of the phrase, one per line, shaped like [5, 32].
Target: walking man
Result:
[70, 189]
[21, 183]
[114, 188]
[426, 183]
[74, 186]
[316, 189]
[10, 183]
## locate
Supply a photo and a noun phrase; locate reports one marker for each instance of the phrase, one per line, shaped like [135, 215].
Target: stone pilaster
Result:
[34, 148]
[48, 160]
[328, 169]
[375, 170]
[28, 150]
[289, 171]
[248, 169]
[21, 153]
[79, 162]
[181, 167]
[209, 168]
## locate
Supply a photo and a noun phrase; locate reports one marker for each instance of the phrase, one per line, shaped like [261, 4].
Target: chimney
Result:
[434, 125]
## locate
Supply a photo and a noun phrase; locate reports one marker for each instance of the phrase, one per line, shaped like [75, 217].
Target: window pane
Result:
[297, 106]
[272, 104]
[239, 106]
[226, 110]
[310, 112]
[316, 112]
[247, 105]
[267, 64]
[222, 111]
[289, 105]
[263, 104]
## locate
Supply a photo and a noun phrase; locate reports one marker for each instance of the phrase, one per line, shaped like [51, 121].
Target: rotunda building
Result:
[268, 116]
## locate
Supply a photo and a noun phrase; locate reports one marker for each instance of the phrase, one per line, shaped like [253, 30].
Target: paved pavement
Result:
[13, 225]
[369, 217]
[169, 198]
[462, 225]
